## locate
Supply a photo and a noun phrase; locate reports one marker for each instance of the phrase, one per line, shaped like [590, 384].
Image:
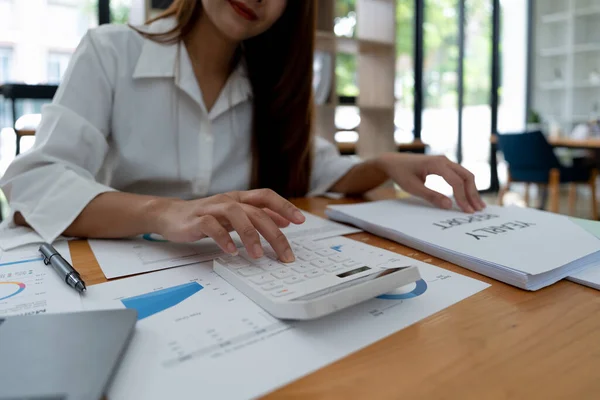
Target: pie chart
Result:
[406, 292]
[10, 289]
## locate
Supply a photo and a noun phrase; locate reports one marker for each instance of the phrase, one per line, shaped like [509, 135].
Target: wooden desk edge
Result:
[416, 145]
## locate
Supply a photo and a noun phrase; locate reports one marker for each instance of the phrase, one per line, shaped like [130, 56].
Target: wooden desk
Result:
[592, 143]
[502, 343]
[416, 146]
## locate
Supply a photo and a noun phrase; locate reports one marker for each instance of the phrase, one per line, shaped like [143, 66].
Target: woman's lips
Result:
[243, 10]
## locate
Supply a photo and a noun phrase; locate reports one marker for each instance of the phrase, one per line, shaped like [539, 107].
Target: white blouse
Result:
[129, 116]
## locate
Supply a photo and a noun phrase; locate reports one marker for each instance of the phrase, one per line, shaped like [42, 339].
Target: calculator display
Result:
[354, 271]
[352, 282]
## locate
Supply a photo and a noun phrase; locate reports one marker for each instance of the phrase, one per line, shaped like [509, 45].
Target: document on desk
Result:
[523, 247]
[152, 253]
[29, 287]
[589, 276]
[196, 334]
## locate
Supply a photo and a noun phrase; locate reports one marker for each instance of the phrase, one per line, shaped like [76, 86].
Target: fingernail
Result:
[288, 256]
[298, 216]
[483, 205]
[469, 210]
[447, 203]
[258, 251]
[231, 249]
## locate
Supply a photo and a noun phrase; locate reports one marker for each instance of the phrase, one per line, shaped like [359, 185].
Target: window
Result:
[5, 76]
[347, 115]
[57, 65]
[477, 111]
[5, 64]
[405, 75]
[440, 77]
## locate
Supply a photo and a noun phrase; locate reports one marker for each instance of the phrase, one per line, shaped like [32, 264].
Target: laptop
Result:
[62, 356]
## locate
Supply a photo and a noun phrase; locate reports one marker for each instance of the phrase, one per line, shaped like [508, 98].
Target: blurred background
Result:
[432, 76]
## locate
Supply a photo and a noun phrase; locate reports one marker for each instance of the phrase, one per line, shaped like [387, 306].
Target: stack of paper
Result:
[526, 248]
[590, 276]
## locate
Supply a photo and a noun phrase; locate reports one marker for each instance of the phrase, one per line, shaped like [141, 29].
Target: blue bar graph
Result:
[152, 303]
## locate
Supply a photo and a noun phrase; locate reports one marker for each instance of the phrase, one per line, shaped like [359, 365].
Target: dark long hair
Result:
[279, 64]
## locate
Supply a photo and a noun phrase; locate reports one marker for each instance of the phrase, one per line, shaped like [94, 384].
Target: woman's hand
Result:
[409, 171]
[248, 213]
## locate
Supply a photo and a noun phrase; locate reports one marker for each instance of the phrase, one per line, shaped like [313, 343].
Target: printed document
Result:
[198, 334]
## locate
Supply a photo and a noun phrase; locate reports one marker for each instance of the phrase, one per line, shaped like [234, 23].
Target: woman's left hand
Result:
[409, 171]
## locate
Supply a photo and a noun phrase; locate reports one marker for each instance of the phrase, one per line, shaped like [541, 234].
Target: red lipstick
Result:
[243, 10]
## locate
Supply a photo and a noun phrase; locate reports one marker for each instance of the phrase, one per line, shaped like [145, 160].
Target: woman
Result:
[193, 126]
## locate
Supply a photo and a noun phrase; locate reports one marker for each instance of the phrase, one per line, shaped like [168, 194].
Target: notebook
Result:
[523, 247]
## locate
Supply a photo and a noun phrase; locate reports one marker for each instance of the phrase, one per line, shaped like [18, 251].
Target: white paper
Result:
[216, 343]
[590, 276]
[150, 253]
[522, 239]
[29, 287]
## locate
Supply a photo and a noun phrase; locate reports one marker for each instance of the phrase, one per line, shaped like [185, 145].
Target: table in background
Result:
[416, 146]
[14, 92]
[566, 142]
[503, 342]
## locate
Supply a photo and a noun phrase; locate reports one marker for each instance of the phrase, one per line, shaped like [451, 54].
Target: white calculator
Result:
[322, 280]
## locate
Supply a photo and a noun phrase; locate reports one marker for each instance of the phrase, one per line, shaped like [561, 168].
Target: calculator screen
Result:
[352, 282]
[354, 271]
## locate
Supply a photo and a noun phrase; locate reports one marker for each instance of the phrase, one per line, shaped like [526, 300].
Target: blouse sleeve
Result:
[328, 166]
[52, 183]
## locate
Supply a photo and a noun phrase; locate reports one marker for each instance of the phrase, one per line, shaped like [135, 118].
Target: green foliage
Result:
[345, 69]
[119, 11]
[344, 7]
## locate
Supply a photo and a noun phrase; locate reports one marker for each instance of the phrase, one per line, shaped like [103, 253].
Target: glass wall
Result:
[347, 115]
[440, 62]
[477, 112]
[38, 38]
[405, 72]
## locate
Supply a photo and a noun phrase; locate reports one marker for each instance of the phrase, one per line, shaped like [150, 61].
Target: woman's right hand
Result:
[248, 213]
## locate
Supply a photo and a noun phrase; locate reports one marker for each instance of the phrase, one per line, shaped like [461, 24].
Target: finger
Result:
[267, 228]
[266, 198]
[278, 219]
[210, 227]
[416, 187]
[472, 193]
[458, 187]
[243, 226]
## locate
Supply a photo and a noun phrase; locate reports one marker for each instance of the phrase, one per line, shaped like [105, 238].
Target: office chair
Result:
[531, 159]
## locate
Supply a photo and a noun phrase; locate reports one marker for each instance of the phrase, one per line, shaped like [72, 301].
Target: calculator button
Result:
[249, 271]
[270, 286]
[306, 256]
[312, 246]
[293, 279]
[282, 273]
[313, 274]
[281, 292]
[261, 279]
[303, 268]
[335, 268]
[351, 263]
[394, 263]
[338, 258]
[326, 252]
[271, 266]
[233, 262]
[321, 263]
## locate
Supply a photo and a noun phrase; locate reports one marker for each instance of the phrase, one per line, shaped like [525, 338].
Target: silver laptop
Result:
[62, 356]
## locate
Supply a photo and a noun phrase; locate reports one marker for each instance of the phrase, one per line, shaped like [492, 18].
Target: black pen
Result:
[62, 267]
